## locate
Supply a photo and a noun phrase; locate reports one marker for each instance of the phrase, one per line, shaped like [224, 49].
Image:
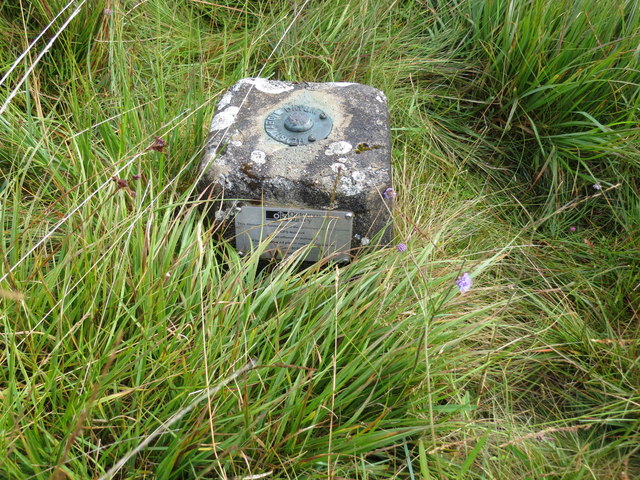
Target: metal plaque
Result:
[290, 229]
[298, 125]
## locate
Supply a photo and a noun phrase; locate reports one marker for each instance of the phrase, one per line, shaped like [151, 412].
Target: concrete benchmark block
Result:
[301, 163]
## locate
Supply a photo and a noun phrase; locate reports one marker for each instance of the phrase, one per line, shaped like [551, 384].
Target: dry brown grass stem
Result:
[543, 433]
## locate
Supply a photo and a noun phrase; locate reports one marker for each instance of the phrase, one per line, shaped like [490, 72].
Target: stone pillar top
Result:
[302, 145]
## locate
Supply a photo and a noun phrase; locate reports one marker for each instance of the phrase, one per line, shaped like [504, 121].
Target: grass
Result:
[136, 343]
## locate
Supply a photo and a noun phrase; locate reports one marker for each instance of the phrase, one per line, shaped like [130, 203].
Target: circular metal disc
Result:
[298, 125]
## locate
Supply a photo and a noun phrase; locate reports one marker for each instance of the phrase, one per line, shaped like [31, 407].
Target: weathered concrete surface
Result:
[349, 170]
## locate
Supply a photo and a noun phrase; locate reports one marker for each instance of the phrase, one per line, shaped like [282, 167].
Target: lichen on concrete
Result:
[338, 148]
[258, 157]
[225, 118]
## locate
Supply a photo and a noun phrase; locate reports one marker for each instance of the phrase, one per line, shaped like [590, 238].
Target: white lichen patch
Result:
[358, 176]
[220, 161]
[338, 148]
[225, 100]
[259, 157]
[350, 187]
[221, 215]
[235, 143]
[343, 84]
[338, 167]
[354, 184]
[267, 86]
[224, 182]
[225, 118]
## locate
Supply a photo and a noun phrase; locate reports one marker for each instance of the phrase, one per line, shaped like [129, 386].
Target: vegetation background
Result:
[136, 344]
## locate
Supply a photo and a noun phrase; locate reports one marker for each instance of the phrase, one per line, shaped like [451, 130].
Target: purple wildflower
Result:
[402, 247]
[572, 228]
[389, 194]
[108, 11]
[464, 283]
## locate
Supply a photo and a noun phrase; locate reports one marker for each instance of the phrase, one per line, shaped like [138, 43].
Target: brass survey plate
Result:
[290, 229]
